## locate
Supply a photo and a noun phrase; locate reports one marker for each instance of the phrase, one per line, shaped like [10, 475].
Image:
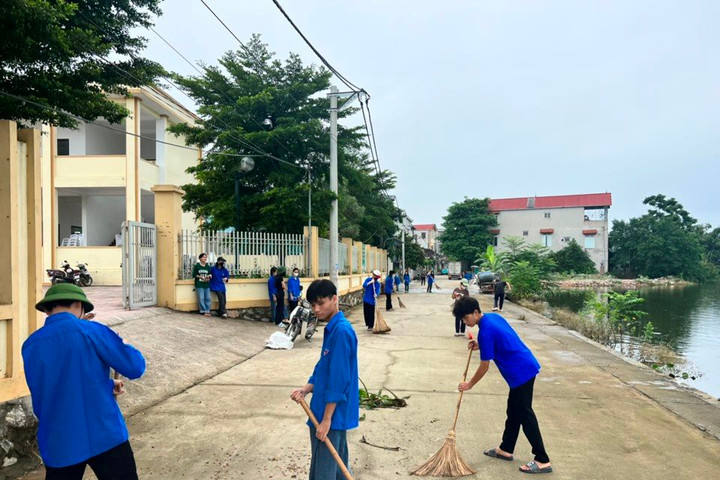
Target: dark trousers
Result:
[520, 413]
[323, 465]
[429, 289]
[388, 301]
[222, 300]
[407, 287]
[280, 309]
[422, 280]
[499, 298]
[459, 325]
[291, 305]
[118, 463]
[369, 314]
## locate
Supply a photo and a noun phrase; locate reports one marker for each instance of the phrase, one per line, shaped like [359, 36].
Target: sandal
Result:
[493, 453]
[534, 468]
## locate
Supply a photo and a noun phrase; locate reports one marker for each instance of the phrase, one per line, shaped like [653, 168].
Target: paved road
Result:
[215, 405]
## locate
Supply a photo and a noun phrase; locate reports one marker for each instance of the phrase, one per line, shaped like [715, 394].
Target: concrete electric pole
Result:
[334, 262]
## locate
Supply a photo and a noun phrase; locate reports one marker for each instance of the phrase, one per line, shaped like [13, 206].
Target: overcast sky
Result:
[507, 98]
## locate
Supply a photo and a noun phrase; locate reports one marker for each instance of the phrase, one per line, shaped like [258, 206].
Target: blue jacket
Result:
[369, 295]
[335, 378]
[67, 367]
[294, 288]
[271, 286]
[217, 282]
[389, 282]
[500, 343]
[406, 278]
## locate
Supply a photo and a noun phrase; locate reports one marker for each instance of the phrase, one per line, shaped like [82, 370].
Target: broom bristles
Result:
[400, 302]
[447, 462]
[381, 325]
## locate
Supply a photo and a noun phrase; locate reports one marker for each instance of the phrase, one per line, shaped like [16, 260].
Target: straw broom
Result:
[400, 302]
[381, 325]
[328, 443]
[447, 462]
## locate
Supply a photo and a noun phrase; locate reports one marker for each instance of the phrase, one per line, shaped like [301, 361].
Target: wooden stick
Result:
[328, 443]
[457, 409]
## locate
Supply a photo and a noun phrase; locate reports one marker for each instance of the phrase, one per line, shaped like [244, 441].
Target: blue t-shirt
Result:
[271, 286]
[500, 343]
[389, 282]
[294, 288]
[67, 368]
[406, 277]
[335, 378]
[217, 282]
[369, 295]
[430, 280]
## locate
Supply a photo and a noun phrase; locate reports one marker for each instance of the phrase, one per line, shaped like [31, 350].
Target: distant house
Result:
[100, 175]
[426, 235]
[554, 221]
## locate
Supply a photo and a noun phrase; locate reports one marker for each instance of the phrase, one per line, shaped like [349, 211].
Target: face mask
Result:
[295, 274]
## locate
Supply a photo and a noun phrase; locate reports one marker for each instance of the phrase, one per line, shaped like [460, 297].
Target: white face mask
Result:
[295, 274]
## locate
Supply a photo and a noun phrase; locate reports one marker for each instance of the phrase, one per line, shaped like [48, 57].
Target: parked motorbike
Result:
[84, 279]
[67, 274]
[301, 313]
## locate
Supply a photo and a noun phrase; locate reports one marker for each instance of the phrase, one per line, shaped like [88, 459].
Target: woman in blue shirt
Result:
[293, 289]
[406, 280]
[389, 282]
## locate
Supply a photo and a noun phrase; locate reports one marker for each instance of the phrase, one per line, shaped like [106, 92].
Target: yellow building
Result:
[95, 177]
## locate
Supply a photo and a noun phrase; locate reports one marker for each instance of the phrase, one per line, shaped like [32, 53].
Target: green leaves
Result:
[573, 259]
[467, 229]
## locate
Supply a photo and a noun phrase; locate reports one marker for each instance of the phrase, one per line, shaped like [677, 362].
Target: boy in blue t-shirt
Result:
[389, 282]
[497, 341]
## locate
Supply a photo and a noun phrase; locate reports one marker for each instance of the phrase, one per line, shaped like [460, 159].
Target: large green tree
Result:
[57, 53]
[467, 229]
[573, 259]
[664, 241]
[252, 101]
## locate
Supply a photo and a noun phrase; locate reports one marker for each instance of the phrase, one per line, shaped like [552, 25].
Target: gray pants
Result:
[322, 465]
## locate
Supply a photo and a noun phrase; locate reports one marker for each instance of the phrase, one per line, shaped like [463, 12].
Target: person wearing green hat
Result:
[460, 292]
[67, 369]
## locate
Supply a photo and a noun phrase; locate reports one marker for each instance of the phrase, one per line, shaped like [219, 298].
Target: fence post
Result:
[312, 251]
[168, 220]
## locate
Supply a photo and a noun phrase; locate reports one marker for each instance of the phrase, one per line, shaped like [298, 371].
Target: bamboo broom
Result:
[328, 443]
[400, 302]
[381, 325]
[447, 462]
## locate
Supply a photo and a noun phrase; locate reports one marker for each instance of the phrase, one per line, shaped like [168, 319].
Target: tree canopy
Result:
[665, 241]
[467, 229]
[253, 101]
[573, 259]
[55, 53]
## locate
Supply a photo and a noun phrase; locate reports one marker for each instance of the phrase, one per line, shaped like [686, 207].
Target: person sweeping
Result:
[371, 287]
[335, 401]
[497, 341]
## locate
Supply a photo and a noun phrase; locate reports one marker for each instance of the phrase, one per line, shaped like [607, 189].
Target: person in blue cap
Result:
[67, 369]
[389, 283]
[333, 384]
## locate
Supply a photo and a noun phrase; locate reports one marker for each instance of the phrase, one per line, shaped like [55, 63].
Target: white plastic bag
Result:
[279, 341]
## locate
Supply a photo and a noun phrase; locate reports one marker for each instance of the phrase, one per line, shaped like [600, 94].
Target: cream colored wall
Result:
[101, 171]
[103, 262]
[177, 161]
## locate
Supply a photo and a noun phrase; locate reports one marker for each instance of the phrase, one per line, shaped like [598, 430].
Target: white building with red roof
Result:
[426, 235]
[554, 221]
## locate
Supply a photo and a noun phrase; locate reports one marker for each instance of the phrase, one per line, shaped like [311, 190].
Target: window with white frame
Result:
[546, 239]
[589, 241]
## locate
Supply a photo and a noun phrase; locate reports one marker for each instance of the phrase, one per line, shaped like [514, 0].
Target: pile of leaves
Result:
[372, 401]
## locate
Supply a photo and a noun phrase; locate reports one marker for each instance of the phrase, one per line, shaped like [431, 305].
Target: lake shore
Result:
[619, 283]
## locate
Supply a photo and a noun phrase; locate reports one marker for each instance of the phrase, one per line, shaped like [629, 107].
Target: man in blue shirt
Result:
[334, 384]
[219, 278]
[372, 290]
[389, 283]
[497, 341]
[406, 280]
[67, 368]
[271, 293]
[294, 289]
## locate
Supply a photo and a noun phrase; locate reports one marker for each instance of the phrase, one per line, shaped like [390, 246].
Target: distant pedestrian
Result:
[499, 288]
[219, 277]
[67, 365]
[280, 296]
[422, 277]
[430, 281]
[201, 274]
[389, 282]
[460, 292]
[406, 280]
[371, 287]
[497, 341]
[271, 293]
[294, 289]
[333, 384]
[396, 283]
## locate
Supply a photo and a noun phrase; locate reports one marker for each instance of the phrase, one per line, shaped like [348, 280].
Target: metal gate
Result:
[139, 265]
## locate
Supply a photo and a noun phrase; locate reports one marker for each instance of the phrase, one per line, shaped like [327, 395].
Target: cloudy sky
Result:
[507, 98]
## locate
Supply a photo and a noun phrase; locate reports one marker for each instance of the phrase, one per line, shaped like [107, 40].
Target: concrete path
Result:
[215, 405]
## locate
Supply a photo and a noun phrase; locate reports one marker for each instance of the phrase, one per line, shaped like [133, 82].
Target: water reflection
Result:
[686, 318]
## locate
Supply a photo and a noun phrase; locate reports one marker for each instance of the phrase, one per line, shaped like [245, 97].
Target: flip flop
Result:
[534, 468]
[492, 453]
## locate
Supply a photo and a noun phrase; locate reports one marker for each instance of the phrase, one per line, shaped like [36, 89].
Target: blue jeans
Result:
[272, 310]
[322, 465]
[203, 295]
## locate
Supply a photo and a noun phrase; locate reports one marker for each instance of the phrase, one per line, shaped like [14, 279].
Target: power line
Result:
[223, 23]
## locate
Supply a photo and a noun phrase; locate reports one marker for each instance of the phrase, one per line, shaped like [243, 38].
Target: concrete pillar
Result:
[32, 138]
[161, 125]
[348, 260]
[168, 220]
[132, 160]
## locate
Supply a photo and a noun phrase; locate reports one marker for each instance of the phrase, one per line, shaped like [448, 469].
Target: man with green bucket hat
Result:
[67, 368]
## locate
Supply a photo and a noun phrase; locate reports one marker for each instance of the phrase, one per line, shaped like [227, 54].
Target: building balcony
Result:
[90, 171]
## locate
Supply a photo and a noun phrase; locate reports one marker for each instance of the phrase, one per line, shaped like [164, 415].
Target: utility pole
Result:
[403, 248]
[334, 186]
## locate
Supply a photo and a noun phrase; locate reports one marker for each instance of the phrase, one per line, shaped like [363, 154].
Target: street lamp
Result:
[246, 164]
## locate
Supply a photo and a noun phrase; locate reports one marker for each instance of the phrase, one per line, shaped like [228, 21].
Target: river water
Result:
[687, 318]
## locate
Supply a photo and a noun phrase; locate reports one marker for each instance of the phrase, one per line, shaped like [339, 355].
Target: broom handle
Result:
[457, 409]
[328, 443]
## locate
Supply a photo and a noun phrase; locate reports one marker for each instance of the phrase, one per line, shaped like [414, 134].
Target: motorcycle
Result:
[301, 313]
[66, 274]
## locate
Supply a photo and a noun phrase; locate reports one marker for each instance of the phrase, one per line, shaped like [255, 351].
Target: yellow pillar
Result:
[132, 160]
[348, 260]
[168, 220]
[31, 137]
